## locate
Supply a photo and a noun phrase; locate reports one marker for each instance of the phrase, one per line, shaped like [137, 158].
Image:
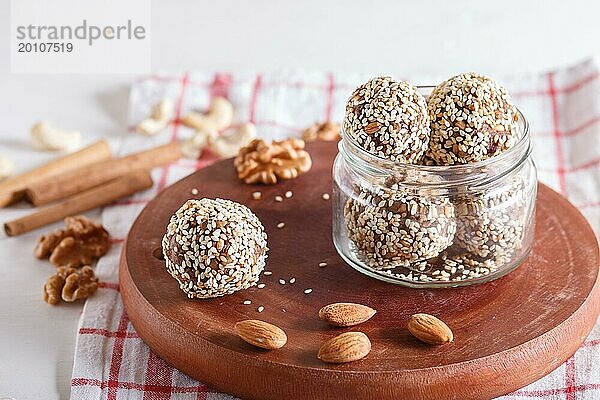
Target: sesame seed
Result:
[194, 191]
[260, 309]
[256, 195]
[307, 291]
[288, 194]
[278, 199]
[322, 264]
[260, 285]
[267, 273]
[325, 196]
[292, 280]
[247, 302]
[281, 281]
[280, 225]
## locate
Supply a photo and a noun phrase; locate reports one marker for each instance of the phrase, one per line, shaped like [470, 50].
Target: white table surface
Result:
[433, 37]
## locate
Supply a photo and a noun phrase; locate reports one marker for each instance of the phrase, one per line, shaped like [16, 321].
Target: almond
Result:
[372, 127]
[347, 347]
[345, 314]
[429, 329]
[261, 334]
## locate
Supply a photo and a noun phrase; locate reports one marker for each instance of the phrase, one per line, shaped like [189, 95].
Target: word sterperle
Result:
[81, 32]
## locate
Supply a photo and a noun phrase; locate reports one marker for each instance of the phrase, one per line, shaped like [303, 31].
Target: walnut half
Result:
[322, 131]
[70, 284]
[262, 162]
[80, 243]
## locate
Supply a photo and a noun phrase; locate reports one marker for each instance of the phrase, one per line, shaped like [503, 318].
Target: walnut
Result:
[80, 243]
[70, 284]
[322, 131]
[80, 285]
[262, 162]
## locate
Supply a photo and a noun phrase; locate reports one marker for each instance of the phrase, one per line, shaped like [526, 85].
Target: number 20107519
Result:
[44, 47]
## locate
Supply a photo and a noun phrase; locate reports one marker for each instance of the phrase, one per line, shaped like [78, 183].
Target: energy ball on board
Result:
[214, 247]
[390, 228]
[472, 119]
[492, 224]
[388, 119]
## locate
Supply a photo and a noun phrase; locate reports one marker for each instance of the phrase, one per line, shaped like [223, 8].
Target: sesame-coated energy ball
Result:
[492, 224]
[389, 227]
[388, 119]
[472, 119]
[214, 247]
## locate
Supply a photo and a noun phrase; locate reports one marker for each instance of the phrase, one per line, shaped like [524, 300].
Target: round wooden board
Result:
[508, 332]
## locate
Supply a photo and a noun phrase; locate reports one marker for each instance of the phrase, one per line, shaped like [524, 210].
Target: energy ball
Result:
[214, 247]
[390, 228]
[472, 119]
[388, 119]
[492, 224]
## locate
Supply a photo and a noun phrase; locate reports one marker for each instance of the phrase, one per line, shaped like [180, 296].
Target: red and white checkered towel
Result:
[563, 108]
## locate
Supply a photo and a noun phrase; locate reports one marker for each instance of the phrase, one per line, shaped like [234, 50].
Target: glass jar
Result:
[434, 226]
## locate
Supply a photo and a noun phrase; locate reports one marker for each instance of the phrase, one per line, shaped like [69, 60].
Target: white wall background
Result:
[425, 37]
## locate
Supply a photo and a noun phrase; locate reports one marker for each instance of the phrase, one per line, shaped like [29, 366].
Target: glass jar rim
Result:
[498, 165]
[523, 141]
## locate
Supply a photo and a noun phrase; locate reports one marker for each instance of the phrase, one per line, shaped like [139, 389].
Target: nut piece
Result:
[6, 167]
[345, 314]
[158, 119]
[261, 334]
[229, 145]
[80, 285]
[218, 116]
[261, 162]
[80, 243]
[193, 147]
[45, 137]
[54, 285]
[70, 284]
[347, 347]
[322, 131]
[429, 329]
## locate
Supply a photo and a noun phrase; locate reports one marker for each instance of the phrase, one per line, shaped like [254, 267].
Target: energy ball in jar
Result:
[214, 247]
[491, 225]
[388, 119]
[390, 228]
[472, 119]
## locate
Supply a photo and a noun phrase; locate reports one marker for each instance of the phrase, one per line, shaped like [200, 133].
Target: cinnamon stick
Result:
[13, 189]
[67, 184]
[99, 196]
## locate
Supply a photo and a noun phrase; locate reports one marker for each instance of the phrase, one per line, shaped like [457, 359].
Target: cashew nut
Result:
[6, 167]
[218, 117]
[193, 147]
[159, 118]
[226, 145]
[45, 137]
[230, 144]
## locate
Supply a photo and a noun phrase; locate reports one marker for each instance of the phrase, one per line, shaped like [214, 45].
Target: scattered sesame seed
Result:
[325, 196]
[256, 195]
[267, 273]
[283, 309]
[308, 291]
[247, 302]
[288, 194]
[280, 225]
[281, 281]
[194, 191]
[292, 280]
[278, 199]
[260, 285]
[260, 309]
[322, 264]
